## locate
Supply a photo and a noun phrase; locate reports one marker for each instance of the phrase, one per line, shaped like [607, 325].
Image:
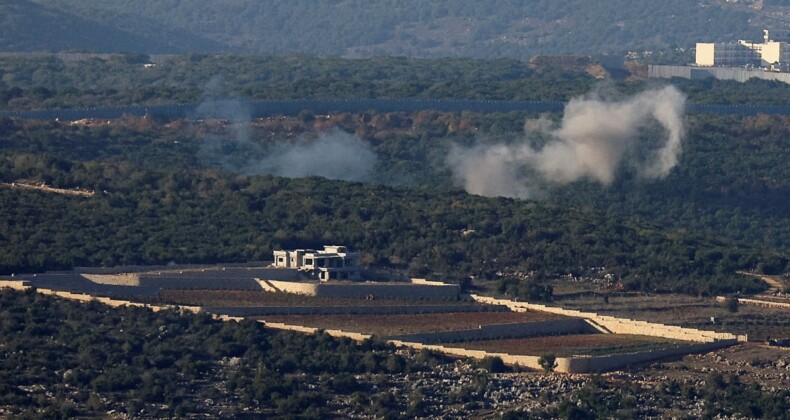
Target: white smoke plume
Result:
[592, 140]
[333, 155]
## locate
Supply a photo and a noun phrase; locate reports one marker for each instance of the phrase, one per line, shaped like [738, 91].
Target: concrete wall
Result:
[618, 325]
[758, 302]
[502, 331]
[125, 279]
[617, 361]
[14, 284]
[722, 73]
[309, 289]
[418, 290]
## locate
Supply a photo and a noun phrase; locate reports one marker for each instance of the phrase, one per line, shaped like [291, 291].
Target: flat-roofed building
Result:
[334, 262]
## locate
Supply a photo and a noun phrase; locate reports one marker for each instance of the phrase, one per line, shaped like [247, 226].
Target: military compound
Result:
[417, 314]
[739, 61]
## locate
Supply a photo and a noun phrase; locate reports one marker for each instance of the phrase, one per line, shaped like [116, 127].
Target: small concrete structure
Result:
[334, 262]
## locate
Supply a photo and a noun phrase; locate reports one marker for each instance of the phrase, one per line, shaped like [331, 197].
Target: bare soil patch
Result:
[751, 362]
[246, 298]
[409, 323]
[570, 345]
[757, 322]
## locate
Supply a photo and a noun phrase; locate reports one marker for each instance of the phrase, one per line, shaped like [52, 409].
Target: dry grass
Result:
[688, 311]
[397, 324]
[571, 345]
[244, 298]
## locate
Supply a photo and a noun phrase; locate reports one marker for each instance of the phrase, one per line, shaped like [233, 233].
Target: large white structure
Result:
[772, 54]
[334, 262]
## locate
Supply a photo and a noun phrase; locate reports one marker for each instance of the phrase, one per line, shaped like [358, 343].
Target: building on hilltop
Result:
[334, 262]
[772, 54]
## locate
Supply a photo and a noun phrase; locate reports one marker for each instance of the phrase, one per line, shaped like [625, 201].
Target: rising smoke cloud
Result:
[333, 155]
[591, 141]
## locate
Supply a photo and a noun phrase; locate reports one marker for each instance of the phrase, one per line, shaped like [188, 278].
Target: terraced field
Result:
[398, 324]
[244, 298]
[571, 345]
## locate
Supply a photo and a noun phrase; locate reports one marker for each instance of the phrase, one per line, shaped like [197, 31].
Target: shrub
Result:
[548, 362]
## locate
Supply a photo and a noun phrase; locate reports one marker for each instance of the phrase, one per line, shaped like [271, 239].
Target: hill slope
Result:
[28, 26]
[416, 28]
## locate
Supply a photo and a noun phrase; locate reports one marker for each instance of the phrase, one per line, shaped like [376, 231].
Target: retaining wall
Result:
[502, 331]
[309, 289]
[619, 325]
[722, 73]
[565, 365]
[617, 361]
[406, 291]
[15, 284]
[758, 302]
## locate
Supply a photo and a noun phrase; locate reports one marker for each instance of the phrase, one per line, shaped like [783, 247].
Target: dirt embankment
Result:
[46, 188]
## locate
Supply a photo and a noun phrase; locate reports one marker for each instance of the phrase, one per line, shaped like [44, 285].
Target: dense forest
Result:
[156, 203]
[62, 359]
[373, 28]
[94, 81]
[202, 191]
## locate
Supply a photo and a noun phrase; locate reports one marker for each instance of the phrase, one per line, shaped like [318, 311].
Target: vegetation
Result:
[364, 28]
[720, 396]
[548, 362]
[83, 80]
[166, 201]
[65, 359]
[156, 216]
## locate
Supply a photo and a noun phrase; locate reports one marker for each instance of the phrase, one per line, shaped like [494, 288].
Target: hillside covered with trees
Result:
[373, 28]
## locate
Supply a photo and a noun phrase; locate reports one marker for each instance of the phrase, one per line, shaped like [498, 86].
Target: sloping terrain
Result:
[26, 26]
[414, 28]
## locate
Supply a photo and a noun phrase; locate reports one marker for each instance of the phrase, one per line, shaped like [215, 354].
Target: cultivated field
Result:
[384, 325]
[245, 298]
[688, 311]
[571, 345]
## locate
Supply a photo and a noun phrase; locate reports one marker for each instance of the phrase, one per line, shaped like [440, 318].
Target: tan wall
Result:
[766, 303]
[618, 325]
[567, 365]
[114, 279]
[617, 361]
[14, 284]
[309, 289]
[705, 52]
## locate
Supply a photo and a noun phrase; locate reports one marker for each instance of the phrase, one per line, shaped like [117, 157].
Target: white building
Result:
[772, 54]
[334, 262]
[732, 55]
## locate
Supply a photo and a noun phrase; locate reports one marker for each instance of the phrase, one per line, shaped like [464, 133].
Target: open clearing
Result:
[245, 298]
[384, 325]
[571, 345]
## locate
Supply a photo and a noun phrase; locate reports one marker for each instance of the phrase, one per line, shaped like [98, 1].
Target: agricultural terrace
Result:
[246, 298]
[572, 345]
[384, 325]
[758, 322]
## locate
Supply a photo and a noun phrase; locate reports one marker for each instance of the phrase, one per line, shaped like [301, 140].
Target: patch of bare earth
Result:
[758, 322]
[396, 324]
[244, 298]
[570, 345]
